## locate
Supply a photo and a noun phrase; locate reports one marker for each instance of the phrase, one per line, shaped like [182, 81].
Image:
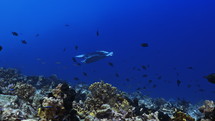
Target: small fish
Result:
[177, 73]
[138, 69]
[1, 48]
[150, 81]
[138, 88]
[159, 77]
[145, 45]
[144, 87]
[116, 74]
[66, 25]
[84, 73]
[37, 35]
[154, 86]
[24, 41]
[110, 64]
[78, 64]
[127, 79]
[178, 82]
[15, 34]
[190, 67]
[76, 78]
[144, 75]
[201, 90]
[64, 49]
[74, 60]
[188, 86]
[76, 47]
[134, 68]
[97, 33]
[144, 67]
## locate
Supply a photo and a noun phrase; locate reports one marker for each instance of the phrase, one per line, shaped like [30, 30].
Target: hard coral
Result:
[51, 108]
[58, 105]
[209, 110]
[180, 116]
[207, 107]
[23, 90]
[104, 101]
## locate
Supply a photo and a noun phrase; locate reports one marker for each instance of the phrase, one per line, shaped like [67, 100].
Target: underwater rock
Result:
[59, 106]
[104, 112]
[208, 109]
[15, 109]
[180, 116]
[24, 91]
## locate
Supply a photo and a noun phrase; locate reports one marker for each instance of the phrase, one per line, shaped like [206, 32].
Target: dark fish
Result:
[74, 60]
[138, 88]
[144, 87]
[210, 78]
[201, 90]
[134, 68]
[178, 82]
[1, 48]
[37, 35]
[160, 77]
[84, 73]
[78, 64]
[154, 86]
[190, 67]
[64, 49]
[67, 25]
[97, 33]
[188, 86]
[116, 74]
[110, 64]
[76, 78]
[138, 69]
[144, 44]
[24, 41]
[15, 34]
[127, 79]
[150, 81]
[177, 73]
[76, 47]
[144, 75]
[144, 67]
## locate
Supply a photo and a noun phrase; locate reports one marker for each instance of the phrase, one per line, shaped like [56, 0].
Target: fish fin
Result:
[110, 54]
[80, 56]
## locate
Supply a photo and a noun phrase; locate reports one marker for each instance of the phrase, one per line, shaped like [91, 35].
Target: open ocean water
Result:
[160, 48]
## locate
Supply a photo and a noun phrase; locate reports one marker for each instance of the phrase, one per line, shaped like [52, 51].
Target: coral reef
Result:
[208, 109]
[39, 98]
[58, 106]
[180, 116]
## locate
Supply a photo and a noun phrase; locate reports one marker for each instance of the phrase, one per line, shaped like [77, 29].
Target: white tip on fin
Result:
[80, 56]
[110, 54]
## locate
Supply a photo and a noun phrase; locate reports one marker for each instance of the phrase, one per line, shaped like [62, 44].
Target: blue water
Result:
[180, 34]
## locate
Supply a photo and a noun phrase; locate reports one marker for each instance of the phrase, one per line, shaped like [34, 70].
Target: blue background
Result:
[180, 33]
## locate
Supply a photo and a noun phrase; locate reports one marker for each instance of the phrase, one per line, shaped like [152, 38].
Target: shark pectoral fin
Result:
[110, 54]
[80, 56]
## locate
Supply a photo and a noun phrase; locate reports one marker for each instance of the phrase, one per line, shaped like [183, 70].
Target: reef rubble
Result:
[38, 98]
